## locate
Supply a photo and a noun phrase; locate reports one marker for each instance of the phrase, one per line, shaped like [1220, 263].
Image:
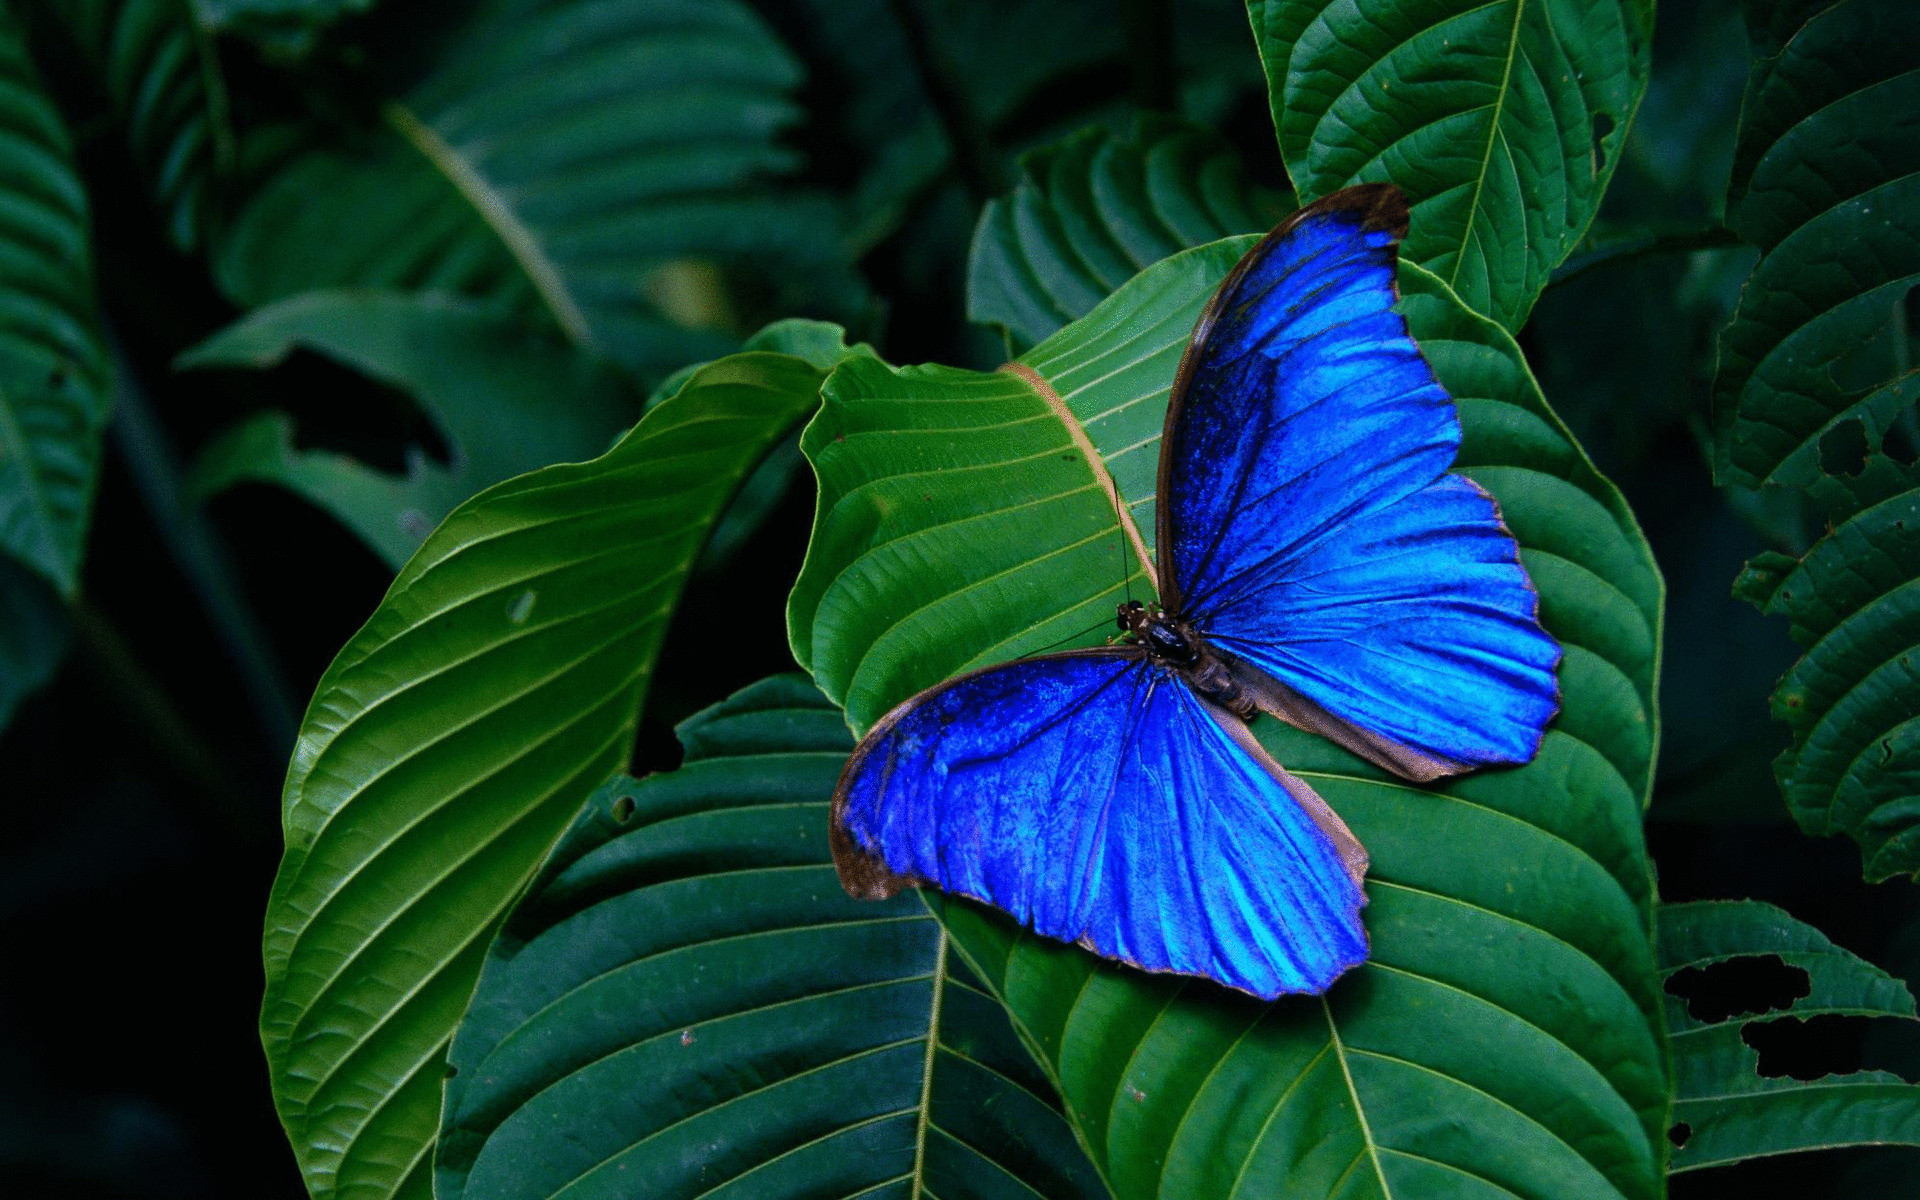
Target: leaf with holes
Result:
[508, 399]
[54, 380]
[1502, 121]
[1724, 1109]
[603, 165]
[687, 1002]
[965, 519]
[1091, 211]
[453, 738]
[1815, 395]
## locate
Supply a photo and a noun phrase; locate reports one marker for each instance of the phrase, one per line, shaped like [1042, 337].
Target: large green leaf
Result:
[603, 164]
[156, 62]
[54, 381]
[1502, 120]
[1816, 394]
[959, 524]
[507, 399]
[454, 737]
[686, 1002]
[1725, 1110]
[1091, 211]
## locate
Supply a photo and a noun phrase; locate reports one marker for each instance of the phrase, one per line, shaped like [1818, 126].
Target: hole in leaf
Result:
[1602, 126]
[623, 809]
[1806, 1049]
[1843, 449]
[1739, 987]
[1679, 1134]
[452, 1071]
[337, 408]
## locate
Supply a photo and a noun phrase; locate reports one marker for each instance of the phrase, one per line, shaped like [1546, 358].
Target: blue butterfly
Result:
[1316, 561]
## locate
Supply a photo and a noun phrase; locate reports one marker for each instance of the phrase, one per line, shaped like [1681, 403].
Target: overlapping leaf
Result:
[959, 524]
[601, 164]
[1091, 211]
[1725, 1110]
[1503, 121]
[156, 62]
[506, 398]
[54, 383]
[454, 737]
[1816, 394]
[687, 1003]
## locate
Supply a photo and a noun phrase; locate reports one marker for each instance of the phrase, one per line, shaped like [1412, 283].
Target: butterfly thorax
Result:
[1176, 645]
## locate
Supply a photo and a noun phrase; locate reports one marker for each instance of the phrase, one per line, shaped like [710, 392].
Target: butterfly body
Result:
[1177, 646]
[1314, 560]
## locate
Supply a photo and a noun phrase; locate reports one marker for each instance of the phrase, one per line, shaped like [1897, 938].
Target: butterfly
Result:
[1315, 561]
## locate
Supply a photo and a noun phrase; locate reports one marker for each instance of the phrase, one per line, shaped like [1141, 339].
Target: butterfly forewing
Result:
[1310, 528]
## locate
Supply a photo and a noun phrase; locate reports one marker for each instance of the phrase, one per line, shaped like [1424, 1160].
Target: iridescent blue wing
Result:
[1308, 526]
[1099, 800]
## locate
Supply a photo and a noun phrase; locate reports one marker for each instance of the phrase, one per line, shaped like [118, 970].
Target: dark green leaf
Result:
[54, 381]
[686, 1002]
[286, 26]
[1503, 121]
[1724, 1109]
[156, 62]
[605, 165]
[454, 737]
[506, 398]
[1091, 211]
[33, 635]
[958, 525]
[1816, 396]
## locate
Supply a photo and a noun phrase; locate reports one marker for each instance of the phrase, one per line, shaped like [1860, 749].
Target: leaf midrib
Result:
[499, 216]
[1468, 235]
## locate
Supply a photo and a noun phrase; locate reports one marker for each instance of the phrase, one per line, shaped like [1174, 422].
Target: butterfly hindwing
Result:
[1310, 528]
[1098, 799]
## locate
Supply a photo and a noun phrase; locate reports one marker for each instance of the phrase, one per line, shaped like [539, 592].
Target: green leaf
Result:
[1502, 121]
[288, 27]
[156, 62]
[687, 1002]
[33, 635]
[1091, 211]
[506, 398]
[1725, 1110]
[604, 165]
[959, 525]
[454, 737]
[1815, 396]
[54, 381]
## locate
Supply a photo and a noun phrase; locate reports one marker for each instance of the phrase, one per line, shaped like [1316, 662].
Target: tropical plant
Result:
[589, 330]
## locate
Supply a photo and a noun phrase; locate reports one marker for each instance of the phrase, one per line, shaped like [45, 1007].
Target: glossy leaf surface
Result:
[507, 399]
[1091, 211]
[54, 381]
[687, 1003]
[1501, 121]
[453, 738]
[599, 164]
[1725, 1110]
[958, 524]
[1816, 393]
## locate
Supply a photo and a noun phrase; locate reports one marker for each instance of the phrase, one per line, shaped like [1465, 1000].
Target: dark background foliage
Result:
[142, 782]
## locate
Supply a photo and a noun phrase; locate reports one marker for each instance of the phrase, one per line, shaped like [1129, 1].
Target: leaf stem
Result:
[198, 551]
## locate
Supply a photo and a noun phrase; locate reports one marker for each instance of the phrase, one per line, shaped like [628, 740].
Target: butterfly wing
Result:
[1098, 800]
[1309, 528]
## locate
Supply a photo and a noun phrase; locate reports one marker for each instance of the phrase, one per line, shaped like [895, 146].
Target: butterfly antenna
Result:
[1072, 637]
